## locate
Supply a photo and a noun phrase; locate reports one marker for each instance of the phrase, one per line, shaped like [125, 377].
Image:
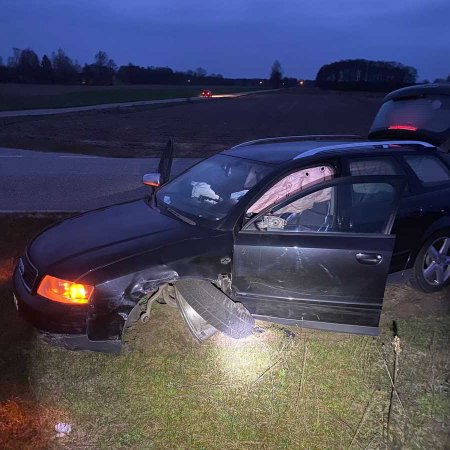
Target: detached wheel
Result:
[432, 266]
[215, 308]
[199, 327]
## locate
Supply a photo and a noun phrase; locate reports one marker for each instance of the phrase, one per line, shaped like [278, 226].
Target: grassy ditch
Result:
[283, 388]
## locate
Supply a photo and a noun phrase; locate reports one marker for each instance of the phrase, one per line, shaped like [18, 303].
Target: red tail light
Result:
[402, 127]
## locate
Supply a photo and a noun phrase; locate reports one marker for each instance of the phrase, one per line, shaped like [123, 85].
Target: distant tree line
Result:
[441, 80]
[25, 66]
[362, 74]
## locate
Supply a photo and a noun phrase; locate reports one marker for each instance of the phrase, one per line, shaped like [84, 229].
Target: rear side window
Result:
[374, 166]
[429, 169]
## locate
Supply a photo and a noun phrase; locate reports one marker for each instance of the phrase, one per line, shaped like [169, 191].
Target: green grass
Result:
[96, 96]
[315, 390]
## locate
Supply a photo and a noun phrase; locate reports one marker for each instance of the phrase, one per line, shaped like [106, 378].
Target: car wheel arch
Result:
[437, 226]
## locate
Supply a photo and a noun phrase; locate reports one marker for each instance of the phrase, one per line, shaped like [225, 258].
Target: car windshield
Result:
[211, 188]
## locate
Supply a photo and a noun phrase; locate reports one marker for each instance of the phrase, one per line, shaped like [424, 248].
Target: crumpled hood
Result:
[95, 239]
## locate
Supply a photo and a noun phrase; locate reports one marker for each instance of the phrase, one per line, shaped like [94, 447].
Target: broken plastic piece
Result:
[62, 429]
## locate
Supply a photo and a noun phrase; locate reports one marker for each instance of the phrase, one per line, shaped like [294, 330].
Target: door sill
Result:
[326, 326]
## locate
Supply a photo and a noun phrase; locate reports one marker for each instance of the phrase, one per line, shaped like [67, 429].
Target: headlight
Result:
[63, 291]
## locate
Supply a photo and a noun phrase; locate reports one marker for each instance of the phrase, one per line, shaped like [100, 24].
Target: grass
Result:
[14, 99]
[273, 390]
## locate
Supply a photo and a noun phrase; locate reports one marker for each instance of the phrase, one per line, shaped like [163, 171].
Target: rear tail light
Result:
[402, 127]
[64, 291]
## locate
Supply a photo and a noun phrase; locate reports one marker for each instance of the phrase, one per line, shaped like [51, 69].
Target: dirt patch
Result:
[404, 302]
[200, 129]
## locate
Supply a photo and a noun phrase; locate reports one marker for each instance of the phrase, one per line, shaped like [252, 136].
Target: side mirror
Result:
[152, 179]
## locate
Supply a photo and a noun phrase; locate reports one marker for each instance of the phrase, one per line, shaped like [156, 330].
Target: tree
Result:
[3, 72]
[13, 61]
[64, 68]
[276, 74]
[365, 74]
[28, 67]
[101, 59]
[200, 72]
[101, 72]
[47, 74]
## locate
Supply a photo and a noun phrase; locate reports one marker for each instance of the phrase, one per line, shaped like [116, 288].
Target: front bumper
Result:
[61, 325]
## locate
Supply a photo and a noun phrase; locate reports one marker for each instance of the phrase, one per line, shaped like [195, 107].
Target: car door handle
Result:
[369, 258]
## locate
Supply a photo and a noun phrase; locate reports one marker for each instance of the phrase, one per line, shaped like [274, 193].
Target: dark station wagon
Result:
[294, 230]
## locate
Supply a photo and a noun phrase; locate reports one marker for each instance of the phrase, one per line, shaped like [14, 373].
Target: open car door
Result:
[321, 258]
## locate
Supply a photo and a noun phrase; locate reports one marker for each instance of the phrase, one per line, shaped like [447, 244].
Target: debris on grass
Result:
[62, 429]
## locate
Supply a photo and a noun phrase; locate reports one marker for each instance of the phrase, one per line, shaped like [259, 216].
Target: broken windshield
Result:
[211, 188]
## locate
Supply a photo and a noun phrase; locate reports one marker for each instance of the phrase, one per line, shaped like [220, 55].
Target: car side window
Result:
[292, 184]
[374, 166]
[363, 208]
[428, 169]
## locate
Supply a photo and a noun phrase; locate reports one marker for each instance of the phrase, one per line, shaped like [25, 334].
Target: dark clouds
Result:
[234, 37]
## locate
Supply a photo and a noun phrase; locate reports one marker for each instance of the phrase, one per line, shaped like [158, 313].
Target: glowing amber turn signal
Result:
[63, 291]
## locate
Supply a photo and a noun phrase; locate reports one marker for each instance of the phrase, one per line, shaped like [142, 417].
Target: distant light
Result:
[260, 82]
[188, 81]
[402, 127]
[301, 82]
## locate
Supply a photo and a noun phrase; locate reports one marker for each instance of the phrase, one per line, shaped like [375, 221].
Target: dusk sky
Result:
[237, 38]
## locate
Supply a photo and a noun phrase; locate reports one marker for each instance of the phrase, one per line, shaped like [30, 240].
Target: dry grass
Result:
[284, 388]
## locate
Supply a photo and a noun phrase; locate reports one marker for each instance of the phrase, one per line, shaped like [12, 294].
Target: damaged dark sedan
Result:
[294, 230]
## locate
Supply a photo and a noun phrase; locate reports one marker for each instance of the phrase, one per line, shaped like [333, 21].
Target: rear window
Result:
[429, 169]
[431, 113]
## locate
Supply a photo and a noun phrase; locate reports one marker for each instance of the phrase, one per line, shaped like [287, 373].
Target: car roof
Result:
[283, 149]
[418, 91]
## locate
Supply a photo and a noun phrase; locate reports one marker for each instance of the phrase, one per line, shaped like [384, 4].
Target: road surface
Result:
[43, 182]
[74, 109]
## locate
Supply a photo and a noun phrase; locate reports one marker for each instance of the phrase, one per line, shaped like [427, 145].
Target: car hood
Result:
[98, 238]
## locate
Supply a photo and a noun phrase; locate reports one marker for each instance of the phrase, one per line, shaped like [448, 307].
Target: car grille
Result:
[28, 272]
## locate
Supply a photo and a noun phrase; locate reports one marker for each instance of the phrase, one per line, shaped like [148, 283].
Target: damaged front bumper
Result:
[66, 325]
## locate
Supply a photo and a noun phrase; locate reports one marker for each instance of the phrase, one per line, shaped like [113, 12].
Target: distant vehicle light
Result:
[402, 127]
[64, 291]
[206, 93]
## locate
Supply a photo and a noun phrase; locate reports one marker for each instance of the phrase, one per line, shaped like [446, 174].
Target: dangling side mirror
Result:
[152, 179]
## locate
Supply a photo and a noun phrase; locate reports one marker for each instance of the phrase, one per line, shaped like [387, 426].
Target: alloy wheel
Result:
[436, 262]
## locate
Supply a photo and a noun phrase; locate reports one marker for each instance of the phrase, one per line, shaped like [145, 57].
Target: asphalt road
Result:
[75, 109]
[42, 182]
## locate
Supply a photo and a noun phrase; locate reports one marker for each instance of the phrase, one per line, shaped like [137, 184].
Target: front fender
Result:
[114, 299]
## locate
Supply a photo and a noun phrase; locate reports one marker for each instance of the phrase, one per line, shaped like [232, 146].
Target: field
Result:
[283, 388]
[23, 96]
[199, 129]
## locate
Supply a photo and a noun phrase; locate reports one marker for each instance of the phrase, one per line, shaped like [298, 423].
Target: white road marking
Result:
[39, 211]
[78, 157]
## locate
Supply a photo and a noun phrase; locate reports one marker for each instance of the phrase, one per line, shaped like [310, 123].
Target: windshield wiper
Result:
[180, 216]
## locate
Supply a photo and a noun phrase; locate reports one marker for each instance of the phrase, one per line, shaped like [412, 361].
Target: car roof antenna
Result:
[165, 163]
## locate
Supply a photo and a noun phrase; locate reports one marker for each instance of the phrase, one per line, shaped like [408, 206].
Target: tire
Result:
[209, 302]
[431, 271]
[200, 329]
